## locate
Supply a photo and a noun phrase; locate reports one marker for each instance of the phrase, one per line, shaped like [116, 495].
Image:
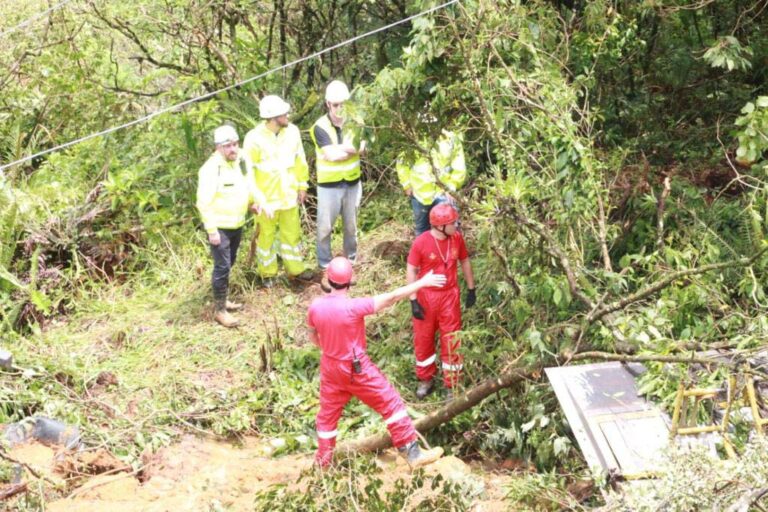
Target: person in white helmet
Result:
[226, 191]
[338, 147]
[275, 150]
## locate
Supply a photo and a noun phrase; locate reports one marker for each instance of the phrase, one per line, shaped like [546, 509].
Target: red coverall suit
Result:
[340, 325]
[442, 306]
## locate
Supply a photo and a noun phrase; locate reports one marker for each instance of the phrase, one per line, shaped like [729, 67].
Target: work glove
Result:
[416, 310]
[470, 298]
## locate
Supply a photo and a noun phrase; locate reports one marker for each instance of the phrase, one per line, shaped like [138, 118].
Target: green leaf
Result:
[557, 296]
[40, 300]
[625, 261]
[11, 279]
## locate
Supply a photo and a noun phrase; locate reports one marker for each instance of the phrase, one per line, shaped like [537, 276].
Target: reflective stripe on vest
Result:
[331, 172]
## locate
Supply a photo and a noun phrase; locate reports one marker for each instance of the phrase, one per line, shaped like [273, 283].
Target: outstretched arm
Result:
[385, 300]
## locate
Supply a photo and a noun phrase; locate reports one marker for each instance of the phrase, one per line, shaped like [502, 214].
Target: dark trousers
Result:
[224, 256]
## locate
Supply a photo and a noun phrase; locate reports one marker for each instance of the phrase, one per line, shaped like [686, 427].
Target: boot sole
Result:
[228, 326]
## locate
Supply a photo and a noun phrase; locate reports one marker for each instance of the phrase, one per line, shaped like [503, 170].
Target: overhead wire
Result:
[228, 87]
[34, 18]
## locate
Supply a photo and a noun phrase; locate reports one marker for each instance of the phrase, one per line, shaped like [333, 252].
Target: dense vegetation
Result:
[617, 203]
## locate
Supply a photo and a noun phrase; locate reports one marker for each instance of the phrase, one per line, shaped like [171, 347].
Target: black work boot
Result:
[305, 276]
[425, 388]
[416, 457]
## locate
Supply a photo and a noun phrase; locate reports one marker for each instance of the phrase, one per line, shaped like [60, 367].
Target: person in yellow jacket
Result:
[275, 150]
[226, 191]
[337, 148]
[430, 180]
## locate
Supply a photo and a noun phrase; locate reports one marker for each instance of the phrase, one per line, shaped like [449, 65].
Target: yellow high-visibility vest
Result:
[446, 162]
[224, 192]
[279, 164]
[343, 170]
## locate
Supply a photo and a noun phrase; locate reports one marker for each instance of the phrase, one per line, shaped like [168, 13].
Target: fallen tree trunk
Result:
[507, 378]
[460, 404]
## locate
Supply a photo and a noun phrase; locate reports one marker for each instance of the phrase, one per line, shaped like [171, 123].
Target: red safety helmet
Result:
[443, 214]
[339, 270]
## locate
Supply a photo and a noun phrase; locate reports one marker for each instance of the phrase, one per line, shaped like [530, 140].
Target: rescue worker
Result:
[431, 180]
[225, 191]
[441, 249]
[275, 150]
[336, 324]
[339, 189]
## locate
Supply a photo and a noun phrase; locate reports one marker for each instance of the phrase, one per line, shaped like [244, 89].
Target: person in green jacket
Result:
[226, 191]
[431, 179]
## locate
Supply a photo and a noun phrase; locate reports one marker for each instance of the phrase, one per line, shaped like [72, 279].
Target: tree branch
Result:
[608, 356]
[666, 281]
[12, 490]
[124, 28]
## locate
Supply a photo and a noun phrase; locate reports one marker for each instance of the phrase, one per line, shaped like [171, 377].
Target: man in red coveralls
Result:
[439, 250]
[337, 325]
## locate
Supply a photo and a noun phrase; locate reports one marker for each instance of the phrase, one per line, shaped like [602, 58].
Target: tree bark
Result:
[12, 490]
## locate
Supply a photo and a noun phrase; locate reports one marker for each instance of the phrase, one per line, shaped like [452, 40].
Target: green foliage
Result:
[753, 130]
[728, 53]
[356, 484]
[572, 119]
[540, 492]
[7, 472]
[526, 425]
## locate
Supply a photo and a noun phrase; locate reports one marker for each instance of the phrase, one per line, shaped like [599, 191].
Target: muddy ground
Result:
[205, 474]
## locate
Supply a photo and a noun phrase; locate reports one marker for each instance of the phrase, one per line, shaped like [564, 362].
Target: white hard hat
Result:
[272, 106]
[224, 134]
[336, 92]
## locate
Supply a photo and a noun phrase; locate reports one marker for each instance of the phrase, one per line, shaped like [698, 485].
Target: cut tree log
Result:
[461, 403]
